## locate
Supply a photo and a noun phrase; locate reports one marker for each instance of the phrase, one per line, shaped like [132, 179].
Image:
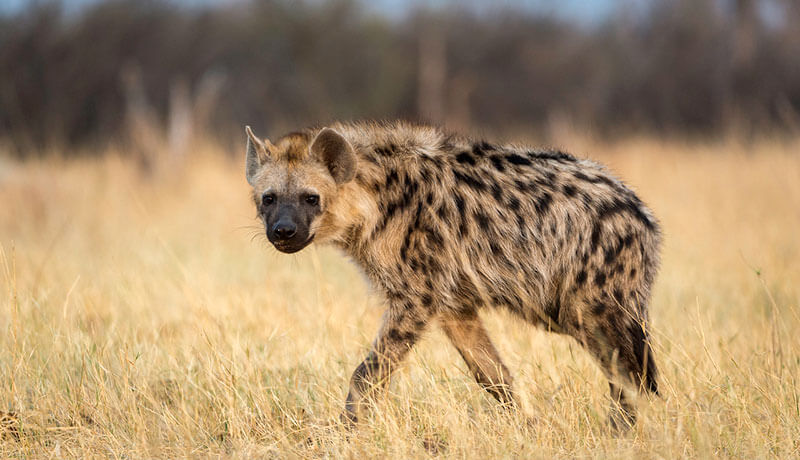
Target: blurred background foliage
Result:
[122, 70]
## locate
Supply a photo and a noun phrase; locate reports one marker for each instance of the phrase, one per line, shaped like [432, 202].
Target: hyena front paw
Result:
[620, 420]
[348, 419]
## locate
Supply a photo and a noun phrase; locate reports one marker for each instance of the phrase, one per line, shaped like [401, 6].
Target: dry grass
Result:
[150, 319]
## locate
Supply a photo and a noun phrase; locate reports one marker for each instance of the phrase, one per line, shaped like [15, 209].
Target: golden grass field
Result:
[149, 318]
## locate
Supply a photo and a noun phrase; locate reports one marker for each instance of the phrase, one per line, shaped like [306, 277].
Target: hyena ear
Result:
[337, 154]
[257, 154]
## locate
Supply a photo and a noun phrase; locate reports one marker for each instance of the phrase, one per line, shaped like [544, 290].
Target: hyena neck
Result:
[396, 169]
[348, 218]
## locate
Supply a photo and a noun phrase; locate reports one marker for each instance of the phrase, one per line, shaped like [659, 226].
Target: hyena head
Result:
[295, 184]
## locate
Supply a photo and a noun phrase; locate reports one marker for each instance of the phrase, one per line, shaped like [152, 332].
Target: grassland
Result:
[147, 317]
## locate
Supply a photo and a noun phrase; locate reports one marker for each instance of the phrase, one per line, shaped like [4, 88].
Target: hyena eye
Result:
[313, 200]
[267, 199]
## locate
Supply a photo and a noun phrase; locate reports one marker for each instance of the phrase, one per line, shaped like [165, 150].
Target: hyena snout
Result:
[284, 230]
[287, 230]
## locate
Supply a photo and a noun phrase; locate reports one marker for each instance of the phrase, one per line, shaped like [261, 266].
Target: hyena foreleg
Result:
[468, 335]
[401, 328]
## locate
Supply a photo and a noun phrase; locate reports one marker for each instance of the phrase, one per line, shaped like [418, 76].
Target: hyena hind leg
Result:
[622, 415]
[623, 351]
[467, 333]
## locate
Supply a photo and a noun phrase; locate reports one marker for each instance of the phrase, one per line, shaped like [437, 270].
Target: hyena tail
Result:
[644, 365]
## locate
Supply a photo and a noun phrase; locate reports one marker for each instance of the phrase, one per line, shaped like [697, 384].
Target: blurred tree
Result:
[693, 67]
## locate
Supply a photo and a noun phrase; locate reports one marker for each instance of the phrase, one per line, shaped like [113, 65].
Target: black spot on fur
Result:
[433, 263]
[392, 294]
[395, 335]
[402, 336]
[426, 299]
[471, 181]
[497, 192]
[598, 308]
[425, 173]
[442, 212]
[607, 181]
[606, 210]
[611, 253]
[537, 183]
[429, 198]
[514, 203]
[543, 202]
[581, 176]
[601, 179]
[414, 264]
[463, 228]
[569, 190]
[410, 190]
[480, 148]
[435, 240]
[391, 208]
[580, 278]
[417, 216]
[555, 155]
[600, 279]
[627, 240]
[404, 251]
[482, 220]
[497, 162]
[518, 160]
[587, 200]
[523, 228]
[460, 205]
[391, 177]
[465, 158]
[596, 236]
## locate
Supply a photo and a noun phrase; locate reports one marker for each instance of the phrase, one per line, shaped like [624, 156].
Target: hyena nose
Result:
[284, 230]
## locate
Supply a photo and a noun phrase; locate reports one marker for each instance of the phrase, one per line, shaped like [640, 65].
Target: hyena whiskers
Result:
[445, 226]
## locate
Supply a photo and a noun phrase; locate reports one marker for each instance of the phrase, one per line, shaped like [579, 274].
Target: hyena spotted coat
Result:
[445, 226]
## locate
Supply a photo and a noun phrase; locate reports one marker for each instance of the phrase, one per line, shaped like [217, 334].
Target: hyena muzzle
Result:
[445, 226]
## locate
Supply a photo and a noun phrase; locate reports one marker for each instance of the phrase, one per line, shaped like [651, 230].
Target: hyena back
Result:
[445, 226]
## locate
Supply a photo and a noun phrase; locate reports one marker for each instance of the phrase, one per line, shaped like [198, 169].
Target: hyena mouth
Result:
[292, 247]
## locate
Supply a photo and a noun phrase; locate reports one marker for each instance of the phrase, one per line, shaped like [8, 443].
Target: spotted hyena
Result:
[445, 226]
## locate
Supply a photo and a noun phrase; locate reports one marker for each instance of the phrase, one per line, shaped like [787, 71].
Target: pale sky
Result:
[581, 11]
